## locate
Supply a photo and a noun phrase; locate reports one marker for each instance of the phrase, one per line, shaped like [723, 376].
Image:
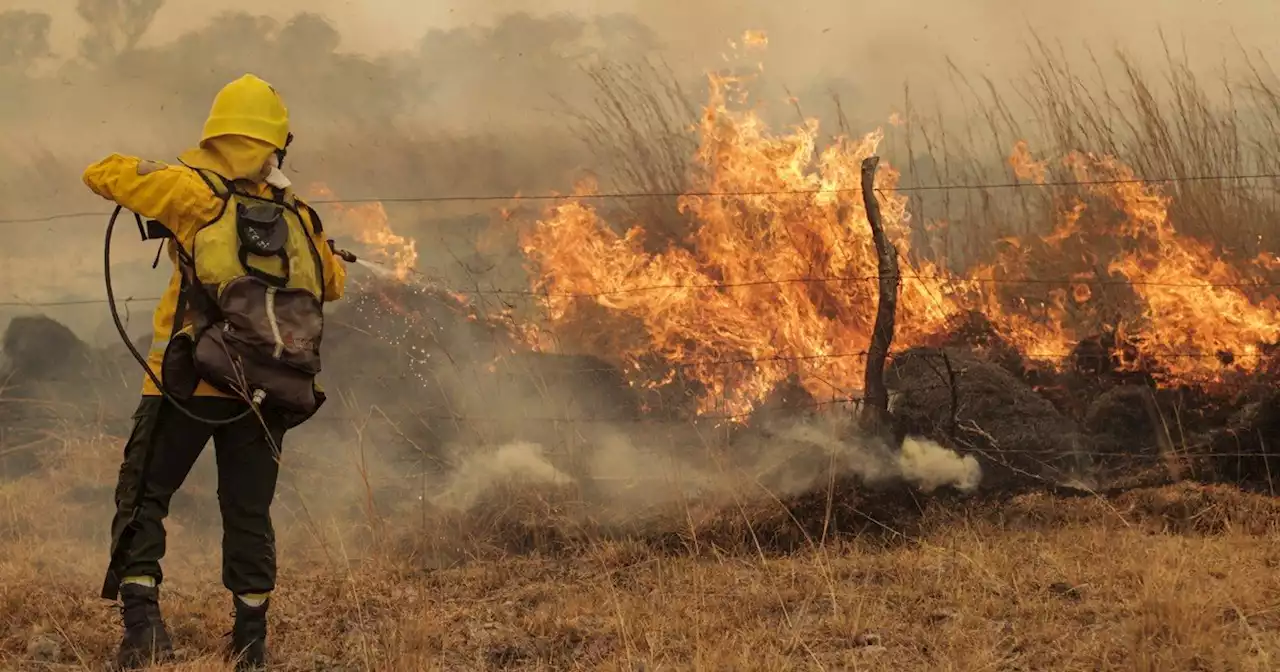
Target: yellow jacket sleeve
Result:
[335, 273]
[175, 196]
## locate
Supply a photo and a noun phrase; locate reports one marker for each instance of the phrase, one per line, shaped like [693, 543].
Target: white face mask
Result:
[277, 178]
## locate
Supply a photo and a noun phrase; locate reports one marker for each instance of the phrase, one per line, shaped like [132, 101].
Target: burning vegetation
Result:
[767, 291]
[754, 294]
[785, 276]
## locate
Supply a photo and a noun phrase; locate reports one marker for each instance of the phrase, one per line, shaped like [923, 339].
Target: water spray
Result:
[381, 270]
[351, 258]
[378, 269]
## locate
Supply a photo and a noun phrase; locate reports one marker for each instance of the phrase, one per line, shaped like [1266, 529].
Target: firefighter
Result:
[234, 355]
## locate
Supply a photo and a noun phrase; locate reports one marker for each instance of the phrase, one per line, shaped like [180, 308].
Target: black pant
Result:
[248, 466]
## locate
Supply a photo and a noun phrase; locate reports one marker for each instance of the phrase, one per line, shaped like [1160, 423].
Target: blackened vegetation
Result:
[51, 380]
[1111, 416]
[982, 409]
[447, 372]
[1244, 450]
[974, 333]
[1121, 420]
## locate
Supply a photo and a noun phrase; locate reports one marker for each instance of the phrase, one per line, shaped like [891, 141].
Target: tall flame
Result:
[778, 282]
[755, 39]
[785, 274]
[775, 280]
[1197, 315]
[402, 291]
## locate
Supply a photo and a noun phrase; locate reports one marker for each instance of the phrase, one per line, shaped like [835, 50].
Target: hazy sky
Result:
[873, 46]
[807, 36]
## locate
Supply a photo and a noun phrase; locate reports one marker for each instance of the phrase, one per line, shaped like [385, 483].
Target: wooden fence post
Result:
[877, 394]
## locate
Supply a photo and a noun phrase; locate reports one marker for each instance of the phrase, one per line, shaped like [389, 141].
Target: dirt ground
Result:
[1185, 577]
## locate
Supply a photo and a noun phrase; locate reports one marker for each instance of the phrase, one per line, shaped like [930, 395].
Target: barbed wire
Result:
[73, 302]
[948, 280]
[1045, 357]
[518, 418]
[633, 416]
[624, 195]
[871, 278]
[726, 285]
[657, 420]
[1205, 452]
[1041, 357]
[1238, 383]
[901, 351]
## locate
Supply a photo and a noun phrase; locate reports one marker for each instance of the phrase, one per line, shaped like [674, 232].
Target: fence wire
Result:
[475, 291]
[632, 195]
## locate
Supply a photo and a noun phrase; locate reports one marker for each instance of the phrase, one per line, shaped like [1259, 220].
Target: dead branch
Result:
[949, 379]
[955, 397]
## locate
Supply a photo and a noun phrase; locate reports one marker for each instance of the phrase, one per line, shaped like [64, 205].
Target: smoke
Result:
[625, 475]
[403, 100]
[398, 101]
[805, 452]
[930, 466]
[469, 109]
[520, 462]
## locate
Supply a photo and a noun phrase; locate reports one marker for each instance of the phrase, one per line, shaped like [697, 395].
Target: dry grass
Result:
[1182, 578]
[1165, 119]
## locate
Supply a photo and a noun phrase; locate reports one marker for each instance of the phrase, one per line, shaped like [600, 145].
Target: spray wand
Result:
[345, 255]
[351, 258]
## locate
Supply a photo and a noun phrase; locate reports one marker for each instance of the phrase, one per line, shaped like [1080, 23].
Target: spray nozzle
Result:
[345, 255]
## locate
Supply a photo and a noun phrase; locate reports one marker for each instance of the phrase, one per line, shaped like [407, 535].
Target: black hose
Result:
[124, 334]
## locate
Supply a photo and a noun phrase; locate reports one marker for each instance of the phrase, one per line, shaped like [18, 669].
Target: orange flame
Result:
[1025, 166]
[369, 224]
[1196, 309]
[755, 39]
[775, 280]
[783, 275]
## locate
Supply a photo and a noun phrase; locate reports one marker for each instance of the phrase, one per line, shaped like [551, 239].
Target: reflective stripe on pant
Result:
[247, 471]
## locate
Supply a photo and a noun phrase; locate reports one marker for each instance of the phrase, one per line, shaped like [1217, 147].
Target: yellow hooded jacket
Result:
[178, 198]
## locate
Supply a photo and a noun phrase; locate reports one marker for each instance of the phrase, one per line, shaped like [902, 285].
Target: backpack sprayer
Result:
[143, 230]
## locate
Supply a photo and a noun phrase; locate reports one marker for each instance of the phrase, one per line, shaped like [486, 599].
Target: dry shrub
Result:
[640, 134]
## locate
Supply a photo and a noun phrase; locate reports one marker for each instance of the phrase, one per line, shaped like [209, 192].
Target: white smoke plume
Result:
[625, 475]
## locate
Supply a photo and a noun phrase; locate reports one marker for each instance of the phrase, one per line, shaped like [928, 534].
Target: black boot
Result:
[146, 641]
[249, 636]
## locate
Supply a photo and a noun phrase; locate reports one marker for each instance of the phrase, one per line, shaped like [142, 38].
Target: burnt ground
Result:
[1103, 419]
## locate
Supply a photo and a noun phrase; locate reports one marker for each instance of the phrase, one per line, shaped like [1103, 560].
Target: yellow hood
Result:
[234, 157]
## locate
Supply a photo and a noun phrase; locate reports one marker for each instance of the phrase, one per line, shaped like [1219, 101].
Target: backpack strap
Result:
[216, 183]
[317, 226]
[191, 291]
